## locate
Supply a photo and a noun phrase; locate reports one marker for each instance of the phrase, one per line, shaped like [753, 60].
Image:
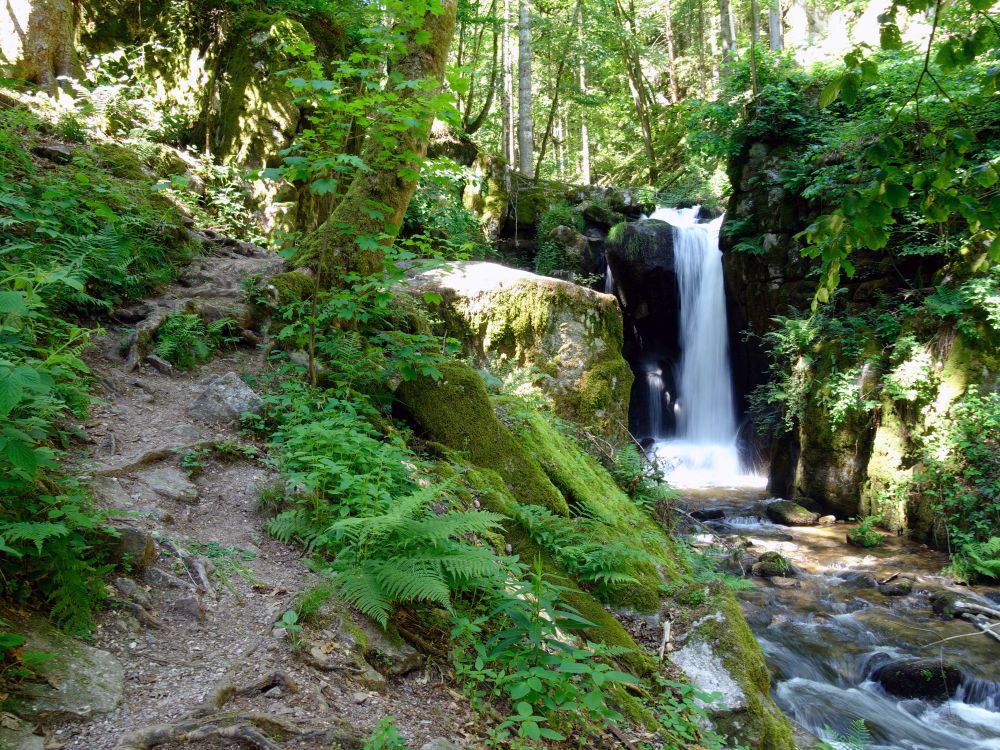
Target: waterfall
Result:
[704, 450]
[609, 279]
[654, 399]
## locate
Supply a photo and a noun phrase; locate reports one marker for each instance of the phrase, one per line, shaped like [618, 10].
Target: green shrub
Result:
[551, 256]
[185, 340]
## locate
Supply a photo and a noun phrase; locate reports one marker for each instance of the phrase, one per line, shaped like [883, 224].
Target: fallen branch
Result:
[979, 622]
[665, 641]
[964, 606]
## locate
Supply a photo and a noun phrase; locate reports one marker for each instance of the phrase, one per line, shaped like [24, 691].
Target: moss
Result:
[759, 724]
[494, 496]
[456, 412]
[120, 161]
[292, 286]
[885, 488]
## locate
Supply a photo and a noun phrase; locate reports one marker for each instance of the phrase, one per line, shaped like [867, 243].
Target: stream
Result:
[827, 631]
[825, 639]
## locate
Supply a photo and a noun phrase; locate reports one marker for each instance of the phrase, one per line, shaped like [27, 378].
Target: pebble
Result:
[359, 697]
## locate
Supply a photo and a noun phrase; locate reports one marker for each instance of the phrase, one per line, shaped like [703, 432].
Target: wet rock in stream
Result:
[788, 513]
[919, 678]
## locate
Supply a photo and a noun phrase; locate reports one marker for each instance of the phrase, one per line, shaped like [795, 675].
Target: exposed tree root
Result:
[244, 727]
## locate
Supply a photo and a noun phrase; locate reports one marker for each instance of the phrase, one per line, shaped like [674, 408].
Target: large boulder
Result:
[919, 678]
[789, 513]
[572, 336]
[224, 399]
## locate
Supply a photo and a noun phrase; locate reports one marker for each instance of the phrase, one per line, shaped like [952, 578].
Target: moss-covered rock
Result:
[721, 655]
[456, 412]
[570, 335]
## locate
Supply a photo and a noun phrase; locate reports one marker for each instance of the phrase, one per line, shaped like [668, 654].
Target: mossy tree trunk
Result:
[377, 198]
[40, 40]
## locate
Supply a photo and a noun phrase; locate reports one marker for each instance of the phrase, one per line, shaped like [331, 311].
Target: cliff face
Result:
[877, 377]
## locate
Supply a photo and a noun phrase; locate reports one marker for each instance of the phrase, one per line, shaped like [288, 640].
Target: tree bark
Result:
[636, 83]
[377, 198]
[668, 35]
[754, 39]
[525, 123]
[507, 96]
[39, 40]
[728, 30]
[774, 25]
[584, 135]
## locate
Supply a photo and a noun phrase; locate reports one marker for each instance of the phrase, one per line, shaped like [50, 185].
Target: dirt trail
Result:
[179, 637]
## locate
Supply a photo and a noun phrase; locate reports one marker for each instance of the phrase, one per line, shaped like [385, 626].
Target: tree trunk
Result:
[774, 25]
[39, 40]
[668, 34]
[507, 97]
[525, 123]
[584, 135]
[636, 83]
[728, 30]
[374, 205]
[702, 71]
[754, 39]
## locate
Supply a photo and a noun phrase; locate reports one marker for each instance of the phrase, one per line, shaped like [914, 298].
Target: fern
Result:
[858, 737]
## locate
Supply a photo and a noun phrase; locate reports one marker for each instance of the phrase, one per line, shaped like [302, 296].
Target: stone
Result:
[788, 513]
[134, 547]
[507, 317]
[599, 215]
[224, 400]
[131, 591]
[919, 678]
[109, 492]
[171, 483]
[53, 152]
[371, 678]
[190, 607]
[20, 738]
[783, 582]
[708, 514]
[78, 682]
[898, 587]
[440, 743]
[826, 521]
[159, 364]
[943, 603]
[768, 569]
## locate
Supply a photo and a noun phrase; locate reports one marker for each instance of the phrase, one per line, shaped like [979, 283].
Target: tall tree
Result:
[774, 25]
[728, 29]
[507, 95]
[354, 237]
[668, 36]
[525, 121]
[584, 135]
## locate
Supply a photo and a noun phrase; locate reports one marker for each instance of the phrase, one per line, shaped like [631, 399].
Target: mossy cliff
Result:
[519, 457]
[569, 335]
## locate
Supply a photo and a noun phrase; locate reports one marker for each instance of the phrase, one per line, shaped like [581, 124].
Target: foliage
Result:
[857, 737]
[385, 736]
[438, 217]
[592, 551]
[551, 256]
[961, 471]
[641, 480]
[551, 685]
[185, 340]
[865, 534]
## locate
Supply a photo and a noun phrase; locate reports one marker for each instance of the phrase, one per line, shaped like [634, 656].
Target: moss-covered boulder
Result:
[570, 335]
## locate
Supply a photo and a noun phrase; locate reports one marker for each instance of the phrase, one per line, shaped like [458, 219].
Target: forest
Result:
[440, 374]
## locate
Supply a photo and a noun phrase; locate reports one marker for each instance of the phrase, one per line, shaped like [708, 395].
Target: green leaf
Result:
[13, 302]
[830, 92]
[21, 456]
[889, 37]
[896, 195]
[11, 391]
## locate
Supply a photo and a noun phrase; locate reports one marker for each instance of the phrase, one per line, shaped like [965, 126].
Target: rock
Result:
[224, 400]
[770, 569]
[783, 582]
[599, 215]
[898, 587]
[708, 514]
[134, 547]
[788, 513]
[53, 152]
[109, 492]
[943, 603]
[575, 246]
[440, 743]
[826, 521]
[171, 483]
[919, 678]
[19, 738]
[78, 682]
[372, 679]
[191, 607]
[130, 590]
[571, 334]
[159, 364]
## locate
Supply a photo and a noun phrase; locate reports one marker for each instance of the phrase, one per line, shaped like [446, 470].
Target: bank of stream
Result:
[827, 634]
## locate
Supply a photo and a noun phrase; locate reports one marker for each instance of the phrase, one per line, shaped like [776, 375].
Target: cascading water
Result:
[609, 280]
[704, 450]
[654, 397]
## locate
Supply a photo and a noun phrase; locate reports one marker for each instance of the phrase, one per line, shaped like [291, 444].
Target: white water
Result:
[654, 399]
[609, 280]
[704, 451]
